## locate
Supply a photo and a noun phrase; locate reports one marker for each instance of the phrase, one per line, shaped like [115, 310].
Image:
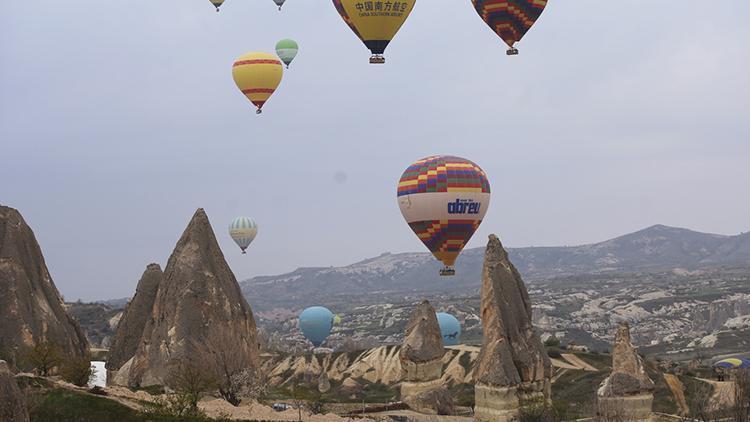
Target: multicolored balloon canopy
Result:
[257, 75]
[444, 200]
[217, 3]
[287, 50]
[316, 323]
[733, 363]
[375, 22]
[510, 19]
[243, 231]
[450, 328]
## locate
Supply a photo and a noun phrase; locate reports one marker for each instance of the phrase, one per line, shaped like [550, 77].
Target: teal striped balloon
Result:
[243, 230]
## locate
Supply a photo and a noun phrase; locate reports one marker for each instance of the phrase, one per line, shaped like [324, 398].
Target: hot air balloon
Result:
[444, 200]
[243, 230]
[257, 75]
[316, 323]
[510, 19]
[279, 3]
[450, 329]
[375, 22]
[733, 363]
[287, 50]
[217, 3]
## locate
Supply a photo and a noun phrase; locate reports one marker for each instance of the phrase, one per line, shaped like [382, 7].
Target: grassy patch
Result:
[574, 393]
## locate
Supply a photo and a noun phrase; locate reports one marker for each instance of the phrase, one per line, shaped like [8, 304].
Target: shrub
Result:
[76, 371]
[43, 357]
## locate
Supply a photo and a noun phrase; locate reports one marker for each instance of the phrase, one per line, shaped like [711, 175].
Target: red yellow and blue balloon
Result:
[510, 19]
[444, 199]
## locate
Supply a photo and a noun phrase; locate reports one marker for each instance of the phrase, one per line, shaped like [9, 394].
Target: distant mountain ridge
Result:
[656, 248]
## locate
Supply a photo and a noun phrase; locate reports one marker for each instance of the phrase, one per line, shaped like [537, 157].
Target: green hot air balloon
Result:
[287, 50]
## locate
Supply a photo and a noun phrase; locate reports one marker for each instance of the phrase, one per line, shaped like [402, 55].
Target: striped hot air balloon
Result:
[287, 50]
[510, 19]
[257, 75]
[217, 3]
[243, 231]
[375, 23]
[444, 200]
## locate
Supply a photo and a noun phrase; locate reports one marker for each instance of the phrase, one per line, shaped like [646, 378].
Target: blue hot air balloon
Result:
[450, 329]
[316, 323]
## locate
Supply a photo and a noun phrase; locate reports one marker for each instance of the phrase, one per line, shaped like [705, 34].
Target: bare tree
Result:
[189, 380]
[234, 378]
[43, 357]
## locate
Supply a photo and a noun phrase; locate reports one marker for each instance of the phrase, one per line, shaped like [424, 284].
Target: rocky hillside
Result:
[656, 248]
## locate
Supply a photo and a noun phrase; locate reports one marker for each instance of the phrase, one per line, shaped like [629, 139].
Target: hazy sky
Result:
[119, 118]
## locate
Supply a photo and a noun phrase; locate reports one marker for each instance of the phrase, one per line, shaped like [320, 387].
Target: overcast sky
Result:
[119, 118]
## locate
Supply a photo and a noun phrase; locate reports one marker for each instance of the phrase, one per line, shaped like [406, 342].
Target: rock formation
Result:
[421, 359]
[31, 309]
[134, 318]
[324, 384]
[512, 368]
[628, 391]
[12, 403]
[199, 315]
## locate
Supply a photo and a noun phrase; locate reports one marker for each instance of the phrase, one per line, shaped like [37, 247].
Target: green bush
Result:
[76, 371]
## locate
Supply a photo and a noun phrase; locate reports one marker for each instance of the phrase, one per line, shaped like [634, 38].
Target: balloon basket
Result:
[447, 271]
[243, 252]
[377, 59]
[258, 111]
[512, 52]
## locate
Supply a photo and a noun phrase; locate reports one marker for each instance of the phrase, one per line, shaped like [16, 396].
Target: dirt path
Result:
[578, 362]
[678, 390]
[557, 363]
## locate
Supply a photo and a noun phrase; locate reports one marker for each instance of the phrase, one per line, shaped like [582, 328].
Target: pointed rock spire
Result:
[423, 341]
[199, 312]
[512, 366]
[628, 375]
[31, 308]
[134, 318]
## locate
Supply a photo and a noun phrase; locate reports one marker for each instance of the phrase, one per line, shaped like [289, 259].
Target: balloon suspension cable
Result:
[377, 59]
[512, 51]
[448, 271]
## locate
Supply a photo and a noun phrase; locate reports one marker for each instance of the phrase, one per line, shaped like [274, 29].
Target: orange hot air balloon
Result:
[257, 75]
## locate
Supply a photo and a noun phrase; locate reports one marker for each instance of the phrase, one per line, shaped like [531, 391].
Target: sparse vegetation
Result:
[76, 370]
[44, 357]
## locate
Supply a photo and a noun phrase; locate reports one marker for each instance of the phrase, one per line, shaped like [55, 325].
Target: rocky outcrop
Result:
[199, 313]
[134, 318]
[12, 403]
[628, 391]
[421, 359]
[512, 368]
[324, 384]
[31, 309]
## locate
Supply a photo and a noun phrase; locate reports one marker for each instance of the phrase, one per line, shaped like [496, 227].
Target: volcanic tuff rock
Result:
[134, 318]
[512, 366]
[628, 391]
[628, 376]
[31, 309]
[423, 341]
[421, 359]
[199, 312]
[12, 403]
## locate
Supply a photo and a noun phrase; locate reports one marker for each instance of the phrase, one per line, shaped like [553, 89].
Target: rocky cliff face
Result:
[199, 312]
[134, 318]
[31, 309]
[628, 391]
[513, 366]
[12, 403]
